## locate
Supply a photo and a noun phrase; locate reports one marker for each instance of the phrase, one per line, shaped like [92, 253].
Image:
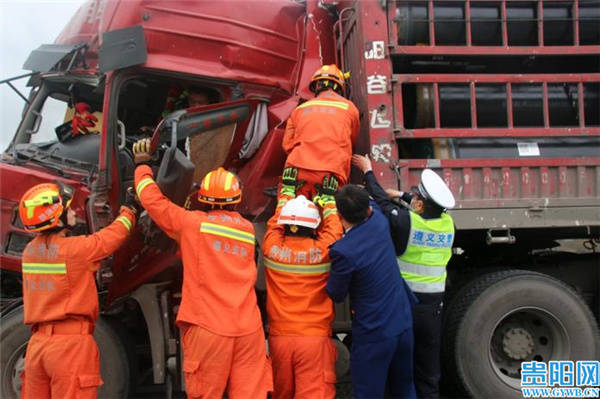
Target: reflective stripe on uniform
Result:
[328, 212]
[143, 184]
[426, 288]
[45, 268]
[125, 222]
[420, 283]
[336, 104]
[319, 268]
[421, 270]
[229, 232]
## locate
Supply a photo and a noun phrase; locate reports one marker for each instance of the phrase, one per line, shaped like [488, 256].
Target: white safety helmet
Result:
[433, 187]
[300, 212]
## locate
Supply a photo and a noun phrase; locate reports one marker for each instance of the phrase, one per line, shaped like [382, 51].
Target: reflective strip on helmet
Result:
[142, 185]
[319, 268]
[421, 270]
[328, 212]
[228, 181]
[336, 104]
[125, 222]
[295, 218]
[45, 268]
[207, 180]
[229, 232]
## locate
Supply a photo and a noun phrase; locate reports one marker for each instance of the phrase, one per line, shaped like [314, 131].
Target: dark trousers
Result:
[427, 326]
[390, 361]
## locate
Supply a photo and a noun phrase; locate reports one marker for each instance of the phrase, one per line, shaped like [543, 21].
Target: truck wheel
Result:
[504, 318]
[13, 339]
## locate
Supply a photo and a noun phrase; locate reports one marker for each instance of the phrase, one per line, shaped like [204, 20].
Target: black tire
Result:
[480, 353]
[13, 339]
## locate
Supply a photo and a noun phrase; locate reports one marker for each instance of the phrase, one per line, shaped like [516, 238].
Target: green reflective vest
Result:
[429, 248]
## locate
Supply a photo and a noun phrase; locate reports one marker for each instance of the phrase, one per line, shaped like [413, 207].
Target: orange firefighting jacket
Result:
[219, 270]
[320, 133]
[296, 273]
[58, 271]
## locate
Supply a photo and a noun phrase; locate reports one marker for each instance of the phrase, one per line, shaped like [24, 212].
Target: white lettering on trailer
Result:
[375, 51]
[381, 152]
[378, 119]
[376, 84]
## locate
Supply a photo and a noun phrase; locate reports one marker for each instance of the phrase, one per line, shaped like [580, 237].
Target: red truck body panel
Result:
[256, 42]
[271, 49]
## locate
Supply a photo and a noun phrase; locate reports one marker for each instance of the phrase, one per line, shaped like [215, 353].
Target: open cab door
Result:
[189, 143]
[210, 135]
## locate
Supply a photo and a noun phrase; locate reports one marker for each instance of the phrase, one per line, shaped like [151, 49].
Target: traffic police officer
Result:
[423, 238]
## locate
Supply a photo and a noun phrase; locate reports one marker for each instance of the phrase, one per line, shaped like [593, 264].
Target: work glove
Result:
[326, 191]
[132, 202]
[290, 182]
[83, 119]
[142, 154]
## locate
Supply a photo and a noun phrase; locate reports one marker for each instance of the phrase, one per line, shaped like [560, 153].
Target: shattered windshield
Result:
[61, 126]
[60, 110]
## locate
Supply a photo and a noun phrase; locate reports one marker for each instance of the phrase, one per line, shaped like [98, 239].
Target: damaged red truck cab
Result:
[503, 110]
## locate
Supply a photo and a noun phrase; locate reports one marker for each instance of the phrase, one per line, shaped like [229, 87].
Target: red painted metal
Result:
[540, 17]
[473, 99]
[436, 104]
[484, 183]
[581, 102]
[431, 14]
[498, 132]
[468, 21]
[251, 41]
[499, 162]
[509, 106]
[499, 78]
[545, 104]
[504, 25]
[495, 50]
[509, 130]
[432, 48]
[576, 22]
[272, 49]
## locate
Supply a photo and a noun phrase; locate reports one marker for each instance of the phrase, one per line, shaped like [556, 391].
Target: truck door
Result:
[189, 143]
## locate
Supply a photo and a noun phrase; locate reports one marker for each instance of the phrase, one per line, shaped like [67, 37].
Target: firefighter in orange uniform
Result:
[223, 340]
[299, 309]
[320, 133]
[59, 293]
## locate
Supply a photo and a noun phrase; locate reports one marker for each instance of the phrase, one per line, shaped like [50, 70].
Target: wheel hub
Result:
[517, 343]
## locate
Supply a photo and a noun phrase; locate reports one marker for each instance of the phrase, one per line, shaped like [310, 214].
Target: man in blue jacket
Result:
[363, 264]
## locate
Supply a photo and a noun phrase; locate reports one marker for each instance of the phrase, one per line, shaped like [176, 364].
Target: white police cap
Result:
[433, 187]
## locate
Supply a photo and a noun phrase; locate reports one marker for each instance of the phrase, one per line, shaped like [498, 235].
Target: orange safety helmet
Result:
[331, 73]
[42, 206]
[220, 187]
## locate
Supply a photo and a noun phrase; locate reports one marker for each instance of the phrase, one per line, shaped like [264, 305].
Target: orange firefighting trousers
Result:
[303, 367]
[212, 363]
[62, 362]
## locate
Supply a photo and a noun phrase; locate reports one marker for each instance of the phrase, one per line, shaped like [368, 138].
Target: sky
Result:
[24, 26]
